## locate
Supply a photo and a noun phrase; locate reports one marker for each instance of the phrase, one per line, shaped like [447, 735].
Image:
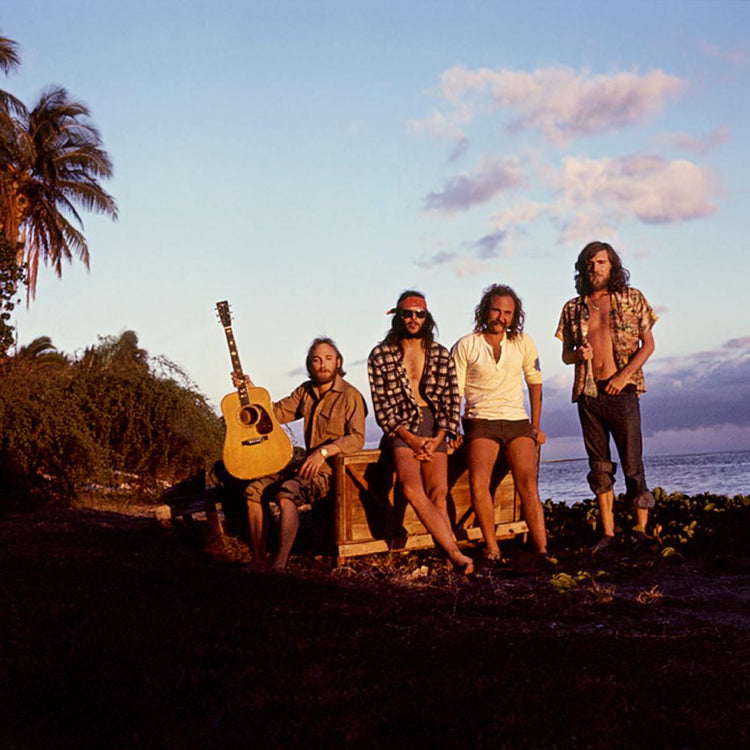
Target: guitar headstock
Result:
[225, 316]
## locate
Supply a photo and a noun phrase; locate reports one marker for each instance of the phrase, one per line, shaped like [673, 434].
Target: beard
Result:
[599, 283]
[420, 334]
[324, 377]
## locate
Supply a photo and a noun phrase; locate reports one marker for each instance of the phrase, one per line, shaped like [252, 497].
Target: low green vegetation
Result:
[679, 523]
[72, 422]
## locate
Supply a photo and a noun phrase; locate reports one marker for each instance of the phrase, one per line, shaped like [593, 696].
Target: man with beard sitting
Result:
[334, 422]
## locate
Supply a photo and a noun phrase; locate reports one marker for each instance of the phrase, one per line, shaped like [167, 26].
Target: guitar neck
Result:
[237, 366]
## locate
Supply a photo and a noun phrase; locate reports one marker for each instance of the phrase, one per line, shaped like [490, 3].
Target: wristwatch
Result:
[324, 452]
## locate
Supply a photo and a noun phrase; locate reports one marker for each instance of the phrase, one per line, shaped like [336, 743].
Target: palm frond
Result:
[9, 55]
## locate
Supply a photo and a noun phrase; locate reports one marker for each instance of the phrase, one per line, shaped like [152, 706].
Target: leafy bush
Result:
[114, 409]
[46, 447]
[679, 523]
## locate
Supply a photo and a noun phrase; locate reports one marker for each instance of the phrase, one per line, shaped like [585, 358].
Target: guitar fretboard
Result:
[237, 366]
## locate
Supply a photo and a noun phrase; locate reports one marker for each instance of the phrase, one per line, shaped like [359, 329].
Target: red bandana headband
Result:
[420, 303]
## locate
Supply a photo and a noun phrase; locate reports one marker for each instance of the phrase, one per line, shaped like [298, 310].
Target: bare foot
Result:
[602, 544]
[465, 565]
[255, 566]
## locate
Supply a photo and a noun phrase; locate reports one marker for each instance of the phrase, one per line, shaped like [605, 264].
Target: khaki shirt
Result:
[338, 417]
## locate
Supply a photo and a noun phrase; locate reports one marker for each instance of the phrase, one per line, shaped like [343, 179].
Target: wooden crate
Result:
[371, 515]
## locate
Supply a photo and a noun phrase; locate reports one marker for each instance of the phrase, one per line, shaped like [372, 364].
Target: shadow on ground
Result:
[116, 634]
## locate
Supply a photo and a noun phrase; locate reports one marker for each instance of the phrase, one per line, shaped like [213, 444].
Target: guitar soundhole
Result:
[259, 418]
[249, 416]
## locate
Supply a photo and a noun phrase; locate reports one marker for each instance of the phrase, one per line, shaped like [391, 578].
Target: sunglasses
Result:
[420, 314]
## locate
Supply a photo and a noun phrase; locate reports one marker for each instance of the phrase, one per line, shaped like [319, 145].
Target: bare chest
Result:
[600, 338]
[598, 323]
[414, 360]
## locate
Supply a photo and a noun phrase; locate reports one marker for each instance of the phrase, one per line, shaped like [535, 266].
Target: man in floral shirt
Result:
[416, 403]
[606, 332]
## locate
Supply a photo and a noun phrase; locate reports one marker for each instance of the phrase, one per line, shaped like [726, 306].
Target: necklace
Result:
[601, 296]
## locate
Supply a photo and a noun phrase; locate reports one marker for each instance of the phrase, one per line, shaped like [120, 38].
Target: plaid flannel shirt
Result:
[392, 397]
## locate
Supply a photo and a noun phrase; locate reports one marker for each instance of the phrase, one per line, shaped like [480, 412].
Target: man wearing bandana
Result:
[491, 365]
[416, 403]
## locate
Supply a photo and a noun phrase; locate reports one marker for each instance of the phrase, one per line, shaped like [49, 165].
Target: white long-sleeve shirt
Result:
[494, 390]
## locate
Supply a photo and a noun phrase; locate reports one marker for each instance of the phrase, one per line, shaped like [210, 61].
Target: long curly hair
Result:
[618, 279]
[482, 310]
[398, 332]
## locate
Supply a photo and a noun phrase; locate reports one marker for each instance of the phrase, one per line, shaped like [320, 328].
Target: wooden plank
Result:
[373, 516]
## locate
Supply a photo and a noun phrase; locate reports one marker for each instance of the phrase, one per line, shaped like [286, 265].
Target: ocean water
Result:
[717, 473]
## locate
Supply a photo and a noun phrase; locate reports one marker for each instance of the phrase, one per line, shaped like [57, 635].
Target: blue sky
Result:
[308, 161]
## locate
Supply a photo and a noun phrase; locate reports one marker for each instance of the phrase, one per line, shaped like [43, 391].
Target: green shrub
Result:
[46, 447]
[703, 523]
[64, 424]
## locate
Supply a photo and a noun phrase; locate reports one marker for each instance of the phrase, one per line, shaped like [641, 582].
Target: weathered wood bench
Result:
[370, 514]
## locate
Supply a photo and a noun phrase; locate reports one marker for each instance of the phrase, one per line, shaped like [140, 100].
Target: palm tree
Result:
[41, 352]
[51, 163]
[55, 163]
[9, 108]
[9, 57]
[116, 355]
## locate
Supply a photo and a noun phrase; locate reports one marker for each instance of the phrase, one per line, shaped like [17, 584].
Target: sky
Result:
[309, 161]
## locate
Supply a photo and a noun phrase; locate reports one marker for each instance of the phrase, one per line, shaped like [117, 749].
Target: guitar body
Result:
[255, 443]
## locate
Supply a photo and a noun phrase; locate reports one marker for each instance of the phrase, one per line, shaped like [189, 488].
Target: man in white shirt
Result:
[490, 364]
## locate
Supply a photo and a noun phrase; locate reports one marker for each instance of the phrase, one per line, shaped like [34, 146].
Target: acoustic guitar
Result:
[255, 443]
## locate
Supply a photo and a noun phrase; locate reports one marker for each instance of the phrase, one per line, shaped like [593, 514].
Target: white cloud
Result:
[559, 102]
[736, 56]
[740, 343]
[464, 191]
[461, 147]
[523, 212]
[700, 145]
[648, 188]
[577, 225]
[440, 125]
[461, 264]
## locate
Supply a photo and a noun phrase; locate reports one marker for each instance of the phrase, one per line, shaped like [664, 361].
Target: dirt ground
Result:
[117, 634]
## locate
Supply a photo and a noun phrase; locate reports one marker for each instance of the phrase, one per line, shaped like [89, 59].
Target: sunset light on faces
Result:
[324, 364]
[309, 161]
[500, 314]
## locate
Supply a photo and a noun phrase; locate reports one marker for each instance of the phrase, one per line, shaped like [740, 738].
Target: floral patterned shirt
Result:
[630, 316]
[392, 397]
